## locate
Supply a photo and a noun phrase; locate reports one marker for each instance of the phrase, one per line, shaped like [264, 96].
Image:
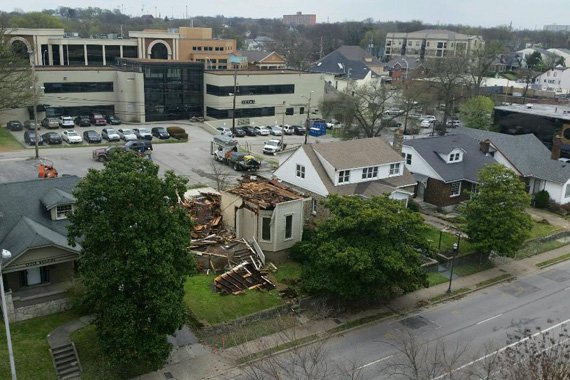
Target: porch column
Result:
[121, 51]
[61, 55]
[85, 54]
[104, 60]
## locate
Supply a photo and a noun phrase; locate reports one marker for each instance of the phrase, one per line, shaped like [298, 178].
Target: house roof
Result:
[514, 59]
[368, 188]
[345, 60]
[357, 153]
[474, 160]
[56, 197]
[21, 209]
[433, 33]
[263, 192]
[256, 56]
[413, 63]
[526, 153]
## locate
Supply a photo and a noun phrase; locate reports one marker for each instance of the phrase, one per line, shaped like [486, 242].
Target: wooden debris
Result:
[242, 277]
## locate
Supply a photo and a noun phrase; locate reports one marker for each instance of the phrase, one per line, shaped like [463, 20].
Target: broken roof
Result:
[263, 192]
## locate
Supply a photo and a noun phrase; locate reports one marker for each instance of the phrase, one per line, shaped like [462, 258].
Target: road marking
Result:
[568, 288]
[14, 159]
[374, 362]
[488, 319]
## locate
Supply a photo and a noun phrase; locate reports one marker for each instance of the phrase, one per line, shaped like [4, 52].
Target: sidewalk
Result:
[214, 365]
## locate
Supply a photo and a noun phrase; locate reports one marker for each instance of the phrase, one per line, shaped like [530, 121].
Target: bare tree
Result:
[221, 175]
[480, 62]
[15, 72]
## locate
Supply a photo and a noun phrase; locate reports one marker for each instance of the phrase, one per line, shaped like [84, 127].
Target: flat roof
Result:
[258, 72]
[546, 110]
[74, 68]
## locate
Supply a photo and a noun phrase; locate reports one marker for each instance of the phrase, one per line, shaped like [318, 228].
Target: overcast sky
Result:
[523, 13]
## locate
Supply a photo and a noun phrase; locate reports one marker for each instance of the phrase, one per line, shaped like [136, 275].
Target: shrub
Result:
[413, 205]
[556, 207]
[541, 199]
[177, 133]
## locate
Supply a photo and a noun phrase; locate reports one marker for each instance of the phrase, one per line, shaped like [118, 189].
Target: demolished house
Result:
[264, 212]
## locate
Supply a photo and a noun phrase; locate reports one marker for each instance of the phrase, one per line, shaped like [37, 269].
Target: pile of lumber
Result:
[206, 213]
[242, 277]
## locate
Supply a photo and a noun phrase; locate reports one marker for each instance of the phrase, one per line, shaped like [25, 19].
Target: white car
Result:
[273, 146]
[288, 129]
[427, 123]
[393, 112]
[262, 131]
[72, 137]
[453, 123]
[66, 122]
[127, 135]
[275, 130]
[225, 131]
[143, 133]
[428, 117]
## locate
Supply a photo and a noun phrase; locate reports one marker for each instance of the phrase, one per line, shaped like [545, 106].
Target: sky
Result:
[528, 14]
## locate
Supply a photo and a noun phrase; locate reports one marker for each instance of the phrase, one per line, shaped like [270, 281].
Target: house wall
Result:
[40, 257]
[287, 173]
[438, 193]
[563, 198]
[294, 208]
[554, 79]
[419, 165]
[555, 191]
[228, 204]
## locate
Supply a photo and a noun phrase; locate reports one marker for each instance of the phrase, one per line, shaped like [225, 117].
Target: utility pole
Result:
[234, 108]
[308, 115]
[35, 100]
[283, 126]
[321, 49]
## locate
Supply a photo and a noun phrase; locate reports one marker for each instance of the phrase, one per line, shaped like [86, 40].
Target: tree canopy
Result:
[135, 257]
[366, 246]
[15, 74]
[36, 20]
[495, 214]
[477, 112]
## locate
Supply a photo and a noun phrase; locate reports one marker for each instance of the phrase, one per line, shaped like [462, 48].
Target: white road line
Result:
[504, 348]
[374, 362]
[488, 319]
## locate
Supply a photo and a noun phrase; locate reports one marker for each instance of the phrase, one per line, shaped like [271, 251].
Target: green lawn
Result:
[469, 269]
[542, 229]
[216, 308]
[31, 354]
[7, 141]
[288, 270]
[510, 76]
[435, 278]
[447, 241]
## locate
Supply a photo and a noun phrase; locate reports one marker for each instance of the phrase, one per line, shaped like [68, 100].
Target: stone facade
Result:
[23, 313]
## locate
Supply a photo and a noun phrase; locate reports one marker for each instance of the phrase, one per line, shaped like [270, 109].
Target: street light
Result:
[308, 114]
[455, 250]
[5, 256]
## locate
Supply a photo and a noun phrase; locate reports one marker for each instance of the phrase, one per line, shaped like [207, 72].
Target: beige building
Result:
[431, 43]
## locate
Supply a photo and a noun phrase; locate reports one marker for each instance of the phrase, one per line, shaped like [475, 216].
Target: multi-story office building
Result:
[557, 28]
[431, 43]
[299, 19]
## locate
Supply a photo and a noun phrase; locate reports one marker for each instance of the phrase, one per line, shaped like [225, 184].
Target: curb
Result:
[513, 277]
[551, 264]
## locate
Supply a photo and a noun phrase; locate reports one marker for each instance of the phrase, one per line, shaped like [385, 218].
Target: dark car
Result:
[50, 122]
[30, 125]
[52, 138]
[83, 121]
[91, 136]
[240, 133]
[14, 125]
[97, 118]
[160, 132]
[249, 131]
[113, 120]
[298, 130]
[30, 138]
[104, 154]
[138, 146]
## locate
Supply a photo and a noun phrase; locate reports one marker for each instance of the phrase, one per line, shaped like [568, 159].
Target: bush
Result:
[177, 133]
[557, 207]
[541, 199]
[413, 205]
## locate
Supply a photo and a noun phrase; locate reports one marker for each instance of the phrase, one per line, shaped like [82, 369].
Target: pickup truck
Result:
[243, 161]
[273, 146]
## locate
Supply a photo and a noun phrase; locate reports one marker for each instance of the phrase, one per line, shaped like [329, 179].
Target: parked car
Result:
[275, 130]
[428, 117]
[160, 133]
[273, 146]
[288, 129]
[104, 154]
[127, 134]
[30, 125]
[392, 123]
[83, 121]
[72, 137]
[249, 130]
[262, 131]
[142, 133]
[50, 122]
[393, 111]
[97, 118]
[225, 131]
[66, 122]
[113, 120]
[453, 123]
[240, 132]
[138, 146]
[333, 123]
[427, 123]
[298, 130]
[52, 138]
[415, 116]
[14, 125]
[30, 138]
[110, 134]
[91, 136]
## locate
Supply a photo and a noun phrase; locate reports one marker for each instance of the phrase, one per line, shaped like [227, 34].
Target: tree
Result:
[365, 247]
[481, 61]
[496, 217]
[534, 59]
[36, 20]
[135, 257]
[477, 112]
[15, 74]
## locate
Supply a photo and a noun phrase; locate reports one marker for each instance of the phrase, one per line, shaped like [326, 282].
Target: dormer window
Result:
[62, 211]
[371, 172]
[454, 157]
[394, 169]
[343, 176]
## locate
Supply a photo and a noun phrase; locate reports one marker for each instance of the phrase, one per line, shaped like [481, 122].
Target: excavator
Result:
[46, 170]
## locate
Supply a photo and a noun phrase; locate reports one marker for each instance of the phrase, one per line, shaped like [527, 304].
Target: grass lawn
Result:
[288, 270]
[435, 278]
[542, 229]
[7, 141]
[216, 308]
[31, 354]
[447, 241]
[535, 249]
[554, 260]
[509, 76]
[469, 269]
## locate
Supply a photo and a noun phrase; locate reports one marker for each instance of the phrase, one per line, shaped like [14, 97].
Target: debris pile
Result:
[245, 276]
[263, 192]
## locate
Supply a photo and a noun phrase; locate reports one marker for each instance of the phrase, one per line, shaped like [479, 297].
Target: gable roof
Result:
[21, 207]
[358, 153]
[474, 160]
[526, 152]
[413, 63]
[436, 33]
[345, 60]
[257, 56]
[56, 197]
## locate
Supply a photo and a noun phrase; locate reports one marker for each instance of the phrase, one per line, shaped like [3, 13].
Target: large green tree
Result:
[495, 214]
[15, 72]
[36, 20]
[366, 246]
[477, 112]
[135, 257]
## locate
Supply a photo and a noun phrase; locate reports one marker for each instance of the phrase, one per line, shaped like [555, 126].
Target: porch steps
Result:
[66, 362]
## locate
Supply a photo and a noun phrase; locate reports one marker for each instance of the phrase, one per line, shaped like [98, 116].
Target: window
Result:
[548, 74]
[343, 176]
[407, 157]
[371, 172]
[554, 73]
[266, 228]
[289, 111]
[61, 88]
[455, 188]
[409, 43]
[567, 193]
[219, 48]
[314, 205]
[417, 43]
[302, 111]
[62, 211]
[394, 169]
[454, 157]
[34, 276]
[276, 89]
[288, 226]
[300, 172]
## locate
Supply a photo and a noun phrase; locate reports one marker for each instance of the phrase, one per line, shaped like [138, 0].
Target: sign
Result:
[248, 102]
[40, 262]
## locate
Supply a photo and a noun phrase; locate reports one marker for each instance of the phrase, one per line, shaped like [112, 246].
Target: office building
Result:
[299, 19]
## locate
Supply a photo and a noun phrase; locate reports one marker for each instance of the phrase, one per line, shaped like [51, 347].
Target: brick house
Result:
[445, 167]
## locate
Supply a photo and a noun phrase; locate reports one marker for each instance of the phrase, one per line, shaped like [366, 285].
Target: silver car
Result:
[275, 130]
[127, 135]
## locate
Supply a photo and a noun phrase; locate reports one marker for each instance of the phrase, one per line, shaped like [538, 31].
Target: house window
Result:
[554, 73]
[288, 226]
[34, 276]
[567, 194]
[62, 211]
[454, 157]
[289, 111]
[300, 172]
[408, 158]
[301, 110]
[266, 228]
[314, 205]
[371, 172]
[394, 169]
[455, 188]
[343, 176]
[548, 74]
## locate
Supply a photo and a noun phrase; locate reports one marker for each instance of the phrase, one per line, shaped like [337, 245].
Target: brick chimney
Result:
[398, 141]
[484, 146]
[556, 147]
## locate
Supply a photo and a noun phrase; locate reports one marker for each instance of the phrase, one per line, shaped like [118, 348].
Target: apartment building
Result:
[431, 43]
[299, 19]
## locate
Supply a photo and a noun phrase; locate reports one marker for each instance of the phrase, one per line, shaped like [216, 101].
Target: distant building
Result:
[299, 19]
[556, 79]
[263, 59]
[431, 43]
[563, 53]
[557, 28]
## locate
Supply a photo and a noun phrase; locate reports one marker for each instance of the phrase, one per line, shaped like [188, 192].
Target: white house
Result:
[556, 79]
[561, 52]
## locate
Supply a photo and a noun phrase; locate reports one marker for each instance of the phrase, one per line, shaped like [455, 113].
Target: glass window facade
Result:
[251, 90]
[78, 111]
[75, 55]
[66, 87]
[112, 52]
[95, 55]
[240, 112]
[130, 52]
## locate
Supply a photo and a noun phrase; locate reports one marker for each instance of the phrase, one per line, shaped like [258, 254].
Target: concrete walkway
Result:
[60, 336]
[556, 220]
